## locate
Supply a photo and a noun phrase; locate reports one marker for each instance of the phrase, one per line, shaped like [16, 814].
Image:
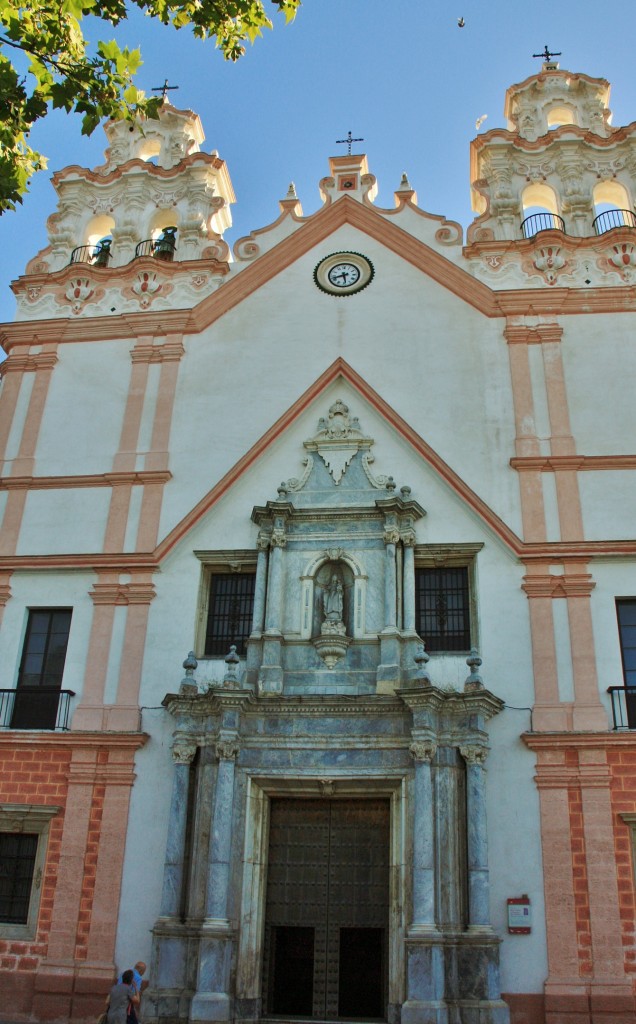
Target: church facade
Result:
[318, 589]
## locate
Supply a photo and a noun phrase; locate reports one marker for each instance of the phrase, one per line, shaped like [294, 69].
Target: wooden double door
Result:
[327, 909]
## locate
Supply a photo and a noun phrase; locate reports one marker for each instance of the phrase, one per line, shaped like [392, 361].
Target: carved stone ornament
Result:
[183, 751]
[391, 536]
[226, 750]
[338, 439]
[423, 750]
[474, 755]
[327, 787]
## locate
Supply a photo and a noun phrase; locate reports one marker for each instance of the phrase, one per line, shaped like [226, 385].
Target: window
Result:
[24, 832]
[37, 696]
[230, 610]
[626, 611]
[442, 608]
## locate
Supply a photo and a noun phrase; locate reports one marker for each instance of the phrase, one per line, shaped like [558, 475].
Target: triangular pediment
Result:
[319, 227]
[340, 370]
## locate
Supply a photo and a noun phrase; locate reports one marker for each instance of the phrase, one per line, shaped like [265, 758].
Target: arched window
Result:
[98, 228]
[98, 237]
[560, 115]
[149, 150]
[540, 209]
[612, 207]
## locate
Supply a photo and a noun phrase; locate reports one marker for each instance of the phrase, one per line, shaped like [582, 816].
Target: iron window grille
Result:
[626, 614]
[17, 866]
[230, 611]
[442, 606]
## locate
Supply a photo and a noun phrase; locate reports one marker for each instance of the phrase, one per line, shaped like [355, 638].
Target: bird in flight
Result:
[480, 121]
[461, 22]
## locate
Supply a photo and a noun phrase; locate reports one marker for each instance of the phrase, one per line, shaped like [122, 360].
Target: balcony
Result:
[537, 222]
[95, 255]
[623, 706]
[610, 219]
[35, 707]
[162, 248]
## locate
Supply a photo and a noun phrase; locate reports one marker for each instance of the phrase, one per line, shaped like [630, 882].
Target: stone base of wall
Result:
[525, 1007]
[30, 997]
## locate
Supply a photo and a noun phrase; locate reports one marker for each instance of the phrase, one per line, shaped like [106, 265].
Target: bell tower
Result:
[125, 234]
[558, 165]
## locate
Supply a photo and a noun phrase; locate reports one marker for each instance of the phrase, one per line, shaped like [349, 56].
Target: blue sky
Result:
[399, 73]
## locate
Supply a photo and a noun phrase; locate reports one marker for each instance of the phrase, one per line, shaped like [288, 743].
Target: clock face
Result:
[343, 273]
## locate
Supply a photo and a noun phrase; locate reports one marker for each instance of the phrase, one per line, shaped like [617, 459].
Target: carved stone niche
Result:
[333, 611]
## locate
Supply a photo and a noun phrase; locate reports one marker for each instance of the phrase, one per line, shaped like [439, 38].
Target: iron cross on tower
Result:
[347, 142]
[164, 89]
[547, 55]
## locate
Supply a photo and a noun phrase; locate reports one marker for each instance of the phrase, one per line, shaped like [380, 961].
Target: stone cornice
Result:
[452, 702]
[38, 483]
[555, 463]
[19, 739]
[560, 741]
[548, 585]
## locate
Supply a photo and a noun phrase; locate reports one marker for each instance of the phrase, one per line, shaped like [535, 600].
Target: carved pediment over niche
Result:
[338, 439]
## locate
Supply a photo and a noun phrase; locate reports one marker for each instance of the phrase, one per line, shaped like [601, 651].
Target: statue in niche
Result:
[332, 600]
[333, 606]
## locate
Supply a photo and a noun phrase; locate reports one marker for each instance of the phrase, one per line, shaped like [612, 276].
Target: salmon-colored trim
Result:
[110, 862]
[602, 882]
[133, 651]
[543, 76]
[117, 520]
[587, 712]
[25, 740]
[68, 891]
[553, 586]
[8, 404]
[149, 517]
[526, 441]
[12, 522]
[153, 170]
[98, 654]
[39, 483]
[558, 884]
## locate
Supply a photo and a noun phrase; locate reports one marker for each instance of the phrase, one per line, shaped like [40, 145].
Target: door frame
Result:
[260, 790]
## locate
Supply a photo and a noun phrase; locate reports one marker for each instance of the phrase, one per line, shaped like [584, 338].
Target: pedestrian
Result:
[122, 996]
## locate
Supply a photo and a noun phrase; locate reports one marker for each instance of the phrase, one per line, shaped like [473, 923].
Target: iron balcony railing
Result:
[96, 255]
[35, 707]
[614, 219]
[537, 222]
[623, 706]
[161, 248]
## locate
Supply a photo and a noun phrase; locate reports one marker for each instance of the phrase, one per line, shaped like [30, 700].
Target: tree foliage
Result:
[45, 63]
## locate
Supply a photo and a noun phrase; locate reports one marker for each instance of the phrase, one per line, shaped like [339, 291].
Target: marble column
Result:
[183, 752]
[477, 832]
[212, 999]
[274, 592]
[221, 834]
[260, 588]
[270, 676]
[423, 751]
[408, 542]
[391, 538]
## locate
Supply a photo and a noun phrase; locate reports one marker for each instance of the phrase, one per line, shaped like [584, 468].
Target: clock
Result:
[343, 273]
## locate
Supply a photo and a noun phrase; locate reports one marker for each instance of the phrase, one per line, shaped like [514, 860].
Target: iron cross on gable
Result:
[547, 55]
[164, 89]
[347, 142]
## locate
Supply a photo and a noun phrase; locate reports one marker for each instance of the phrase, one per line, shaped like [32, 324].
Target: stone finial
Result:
[390, 484]
[405, 492]
[421, 659]
[474, 680]
[230, 679]
[188, 683]
[291, 191]
[282, 491]
[405, 184]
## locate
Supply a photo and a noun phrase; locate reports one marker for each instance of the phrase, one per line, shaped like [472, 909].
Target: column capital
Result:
[278, 538]
[409, 539]
[263, 540]
[391, 536]
[474, 754]
[423, 750]
[183, 750]
[227, 749]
